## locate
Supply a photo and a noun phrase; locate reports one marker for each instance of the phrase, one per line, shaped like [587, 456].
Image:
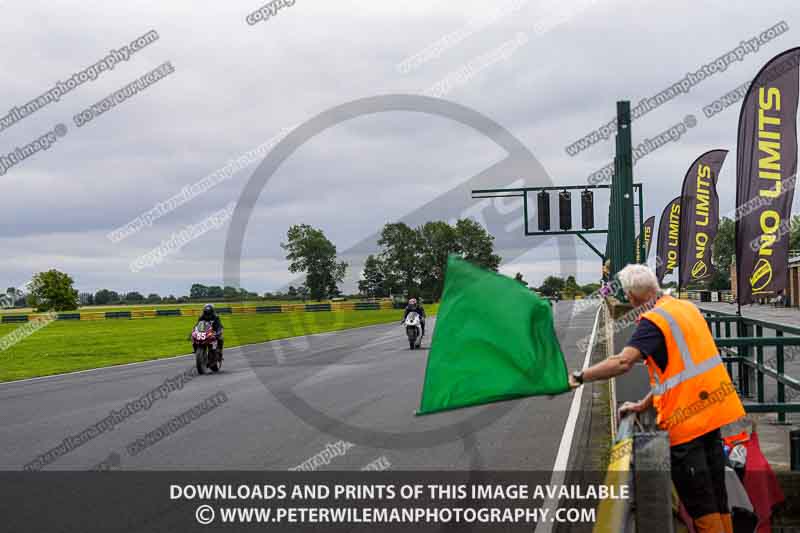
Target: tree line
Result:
[411, 262]
[54, 291]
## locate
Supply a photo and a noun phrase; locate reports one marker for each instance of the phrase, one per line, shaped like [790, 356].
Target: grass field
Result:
[67, 346]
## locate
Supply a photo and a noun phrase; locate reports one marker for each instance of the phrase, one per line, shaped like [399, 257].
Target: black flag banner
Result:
[765, 176]
[699, 218]
[648, 239]
[669, 229]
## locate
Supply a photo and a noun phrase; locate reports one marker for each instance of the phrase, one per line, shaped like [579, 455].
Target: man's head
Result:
[208, 312]
[412, 302]
[639, 284]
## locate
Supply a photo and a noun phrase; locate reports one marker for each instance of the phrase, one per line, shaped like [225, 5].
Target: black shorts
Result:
[698, 472]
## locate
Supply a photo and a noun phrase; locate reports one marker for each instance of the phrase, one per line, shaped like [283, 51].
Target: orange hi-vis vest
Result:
[694, 394]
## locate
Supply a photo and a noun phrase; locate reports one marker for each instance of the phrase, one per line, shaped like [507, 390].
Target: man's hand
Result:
[631, 407]
[573, 383]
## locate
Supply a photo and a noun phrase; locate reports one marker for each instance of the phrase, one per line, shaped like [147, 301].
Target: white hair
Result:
[638, 280]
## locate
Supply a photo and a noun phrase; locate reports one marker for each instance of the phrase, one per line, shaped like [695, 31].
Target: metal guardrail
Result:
[742, 341]
[135, 313]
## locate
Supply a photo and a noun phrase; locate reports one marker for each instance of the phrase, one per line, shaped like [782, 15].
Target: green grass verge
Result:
[68, 346]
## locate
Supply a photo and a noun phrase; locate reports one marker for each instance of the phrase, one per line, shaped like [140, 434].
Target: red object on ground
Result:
[733, 440]
[761, 484]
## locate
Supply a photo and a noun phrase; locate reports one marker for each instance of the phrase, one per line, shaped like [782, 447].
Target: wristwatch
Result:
[578, 376]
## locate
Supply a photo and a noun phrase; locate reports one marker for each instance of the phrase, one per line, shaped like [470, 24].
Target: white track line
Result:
[562, 458]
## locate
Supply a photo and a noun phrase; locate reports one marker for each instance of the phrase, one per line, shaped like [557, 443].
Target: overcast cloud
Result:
[236, 86]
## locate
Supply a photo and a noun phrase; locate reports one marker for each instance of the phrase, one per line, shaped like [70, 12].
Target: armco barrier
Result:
[14, 319]
[313, 308]
[93, 316]
[234, 309]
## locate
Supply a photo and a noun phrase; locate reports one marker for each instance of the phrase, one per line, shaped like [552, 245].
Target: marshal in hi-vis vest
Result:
[694, 394]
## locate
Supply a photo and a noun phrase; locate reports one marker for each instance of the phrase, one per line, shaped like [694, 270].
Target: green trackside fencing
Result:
[742, 342]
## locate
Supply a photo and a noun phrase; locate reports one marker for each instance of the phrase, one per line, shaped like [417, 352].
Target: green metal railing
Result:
[742, 342]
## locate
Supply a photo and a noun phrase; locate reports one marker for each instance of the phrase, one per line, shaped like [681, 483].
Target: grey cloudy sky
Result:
[237, 85]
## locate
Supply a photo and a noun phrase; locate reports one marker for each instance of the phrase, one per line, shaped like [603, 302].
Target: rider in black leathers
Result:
[209, 315]
[414, 307]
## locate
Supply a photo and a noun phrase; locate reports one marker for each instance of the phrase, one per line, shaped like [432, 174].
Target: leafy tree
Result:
[231, 293]
[13, 297]
[590, 288]
[198, 291]
[105, 297]
[309, 251]
[102, 297]
[302, 292]
[794, 233]
[153, 298]
[437, 241]
[372, 282]
[169, 299]
[401, 255]
[292, 292]
[215, 291]
[518, 277]
[134, 297]
[723, 250]
[571, 287]
[551, 285]
[475, 244]
[719, 281]
[53, 291]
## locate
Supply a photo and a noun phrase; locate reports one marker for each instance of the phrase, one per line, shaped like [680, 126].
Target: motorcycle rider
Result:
[210, 315]
[414, 307]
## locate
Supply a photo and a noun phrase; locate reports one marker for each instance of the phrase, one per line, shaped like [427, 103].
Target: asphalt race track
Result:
[346, 398]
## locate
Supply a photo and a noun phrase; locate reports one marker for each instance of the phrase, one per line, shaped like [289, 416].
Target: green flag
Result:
[494, 340]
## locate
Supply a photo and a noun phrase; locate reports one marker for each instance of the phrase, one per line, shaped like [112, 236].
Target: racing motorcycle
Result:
[413, 326]
[205, 344]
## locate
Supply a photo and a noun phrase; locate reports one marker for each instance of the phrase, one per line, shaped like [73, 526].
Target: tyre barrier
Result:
[314, 308]
[268, 309]
[10, 319]
[235, 310]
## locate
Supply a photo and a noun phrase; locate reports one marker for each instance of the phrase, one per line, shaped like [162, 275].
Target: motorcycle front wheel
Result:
[201, 360]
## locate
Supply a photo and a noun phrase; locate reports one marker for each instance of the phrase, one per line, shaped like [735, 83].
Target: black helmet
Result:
[208, 310]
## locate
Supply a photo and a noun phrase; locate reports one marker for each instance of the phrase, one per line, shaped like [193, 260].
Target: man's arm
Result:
[616, 365]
